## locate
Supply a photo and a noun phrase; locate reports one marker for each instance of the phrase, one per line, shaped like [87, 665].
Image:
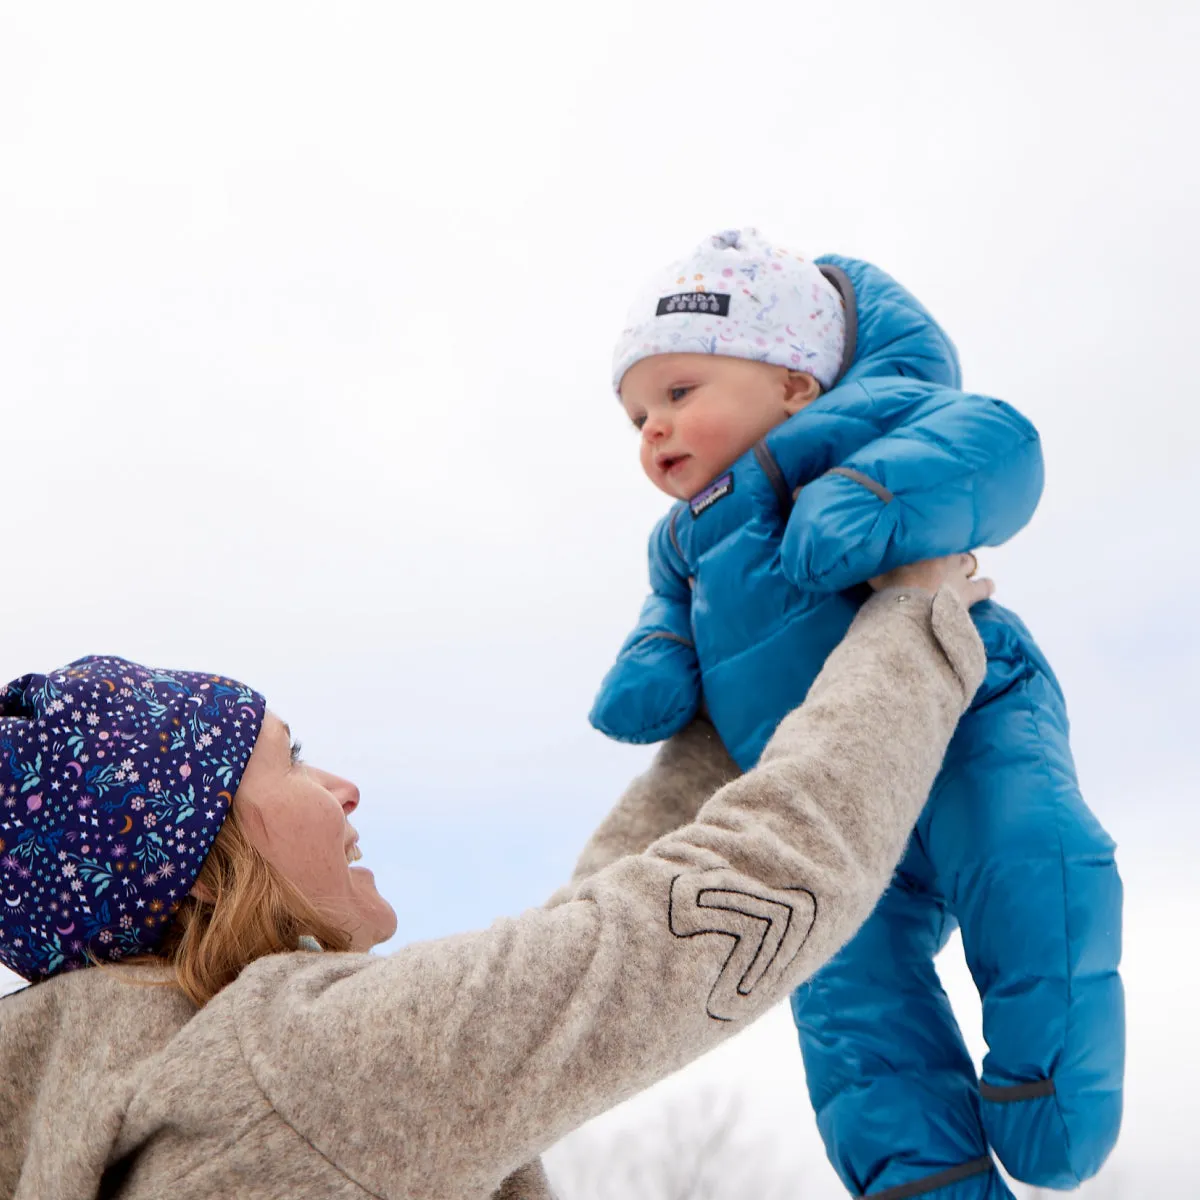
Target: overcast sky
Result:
[305, 321]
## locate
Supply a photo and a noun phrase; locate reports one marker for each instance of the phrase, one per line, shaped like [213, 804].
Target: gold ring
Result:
[974, 564]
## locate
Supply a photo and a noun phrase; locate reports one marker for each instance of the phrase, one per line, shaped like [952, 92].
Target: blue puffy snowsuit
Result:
[751, 590]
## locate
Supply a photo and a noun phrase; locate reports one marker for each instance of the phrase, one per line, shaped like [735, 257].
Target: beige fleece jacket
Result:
[435, 1072]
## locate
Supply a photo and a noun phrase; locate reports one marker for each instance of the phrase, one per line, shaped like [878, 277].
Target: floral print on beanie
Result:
[739, 296]
[114, 780]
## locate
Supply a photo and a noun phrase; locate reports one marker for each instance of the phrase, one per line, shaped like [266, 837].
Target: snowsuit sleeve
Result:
[451, 1063]
[959, 471]
[653, 689]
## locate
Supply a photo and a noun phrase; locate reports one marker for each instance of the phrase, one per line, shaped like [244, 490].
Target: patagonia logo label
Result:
[717, 490]
[716, 304]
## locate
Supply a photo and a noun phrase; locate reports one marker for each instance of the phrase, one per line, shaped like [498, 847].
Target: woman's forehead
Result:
[275, 730]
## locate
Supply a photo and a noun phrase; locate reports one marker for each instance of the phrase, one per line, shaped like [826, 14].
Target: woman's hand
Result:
[954, 571]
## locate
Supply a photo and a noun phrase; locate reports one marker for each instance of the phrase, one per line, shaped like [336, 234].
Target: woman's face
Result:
[297, 817]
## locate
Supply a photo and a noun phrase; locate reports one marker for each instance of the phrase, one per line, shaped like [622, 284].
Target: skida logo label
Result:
[716, 304]
[717, 490]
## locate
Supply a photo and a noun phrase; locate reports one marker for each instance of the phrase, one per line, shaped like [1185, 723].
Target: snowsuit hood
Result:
[889, 331]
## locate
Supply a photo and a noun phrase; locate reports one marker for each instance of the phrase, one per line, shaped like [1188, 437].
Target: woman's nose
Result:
[345, 792]
[349, 796]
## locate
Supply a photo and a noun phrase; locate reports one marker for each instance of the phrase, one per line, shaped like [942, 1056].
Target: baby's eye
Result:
[678, 393]
[638, 422]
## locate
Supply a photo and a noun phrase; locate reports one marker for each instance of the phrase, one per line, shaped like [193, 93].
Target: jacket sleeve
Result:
[451, 1063]
[653, 689]
[687, 769]
[959, 472]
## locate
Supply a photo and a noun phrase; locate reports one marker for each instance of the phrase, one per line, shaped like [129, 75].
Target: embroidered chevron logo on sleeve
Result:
[769, 927]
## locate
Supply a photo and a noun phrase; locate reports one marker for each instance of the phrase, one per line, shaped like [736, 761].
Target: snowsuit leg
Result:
[889, 1077]
[1029, 873]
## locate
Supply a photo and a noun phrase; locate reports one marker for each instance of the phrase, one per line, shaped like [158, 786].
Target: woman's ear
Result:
[800, 390]
[202, 893]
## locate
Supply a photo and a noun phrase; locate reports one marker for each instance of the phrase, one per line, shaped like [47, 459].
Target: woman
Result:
[160, 819]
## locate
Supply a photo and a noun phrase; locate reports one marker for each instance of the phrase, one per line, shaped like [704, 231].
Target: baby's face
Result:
[699, 413]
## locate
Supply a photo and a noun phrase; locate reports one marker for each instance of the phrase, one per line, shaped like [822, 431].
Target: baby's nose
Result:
[656, 426]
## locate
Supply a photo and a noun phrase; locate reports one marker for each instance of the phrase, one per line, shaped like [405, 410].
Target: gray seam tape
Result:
[866, 481]
[1016, 1091]
[841, 281]
[669, 637]
[774, 475]
[674, 535]
[941, 1179]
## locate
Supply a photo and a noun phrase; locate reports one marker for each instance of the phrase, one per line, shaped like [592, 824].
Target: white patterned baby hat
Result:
[738, 295]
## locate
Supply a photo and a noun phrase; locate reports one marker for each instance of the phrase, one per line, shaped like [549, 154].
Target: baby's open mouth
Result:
[669, 462]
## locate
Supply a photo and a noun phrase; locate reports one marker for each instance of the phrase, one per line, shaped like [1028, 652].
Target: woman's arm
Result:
[685, 772]
[443, 1068]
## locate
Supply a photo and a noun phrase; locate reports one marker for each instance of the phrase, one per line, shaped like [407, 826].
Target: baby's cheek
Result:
[719, 443]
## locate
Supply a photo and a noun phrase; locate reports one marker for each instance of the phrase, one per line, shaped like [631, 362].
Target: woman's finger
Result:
[977, 590]
[956, 570]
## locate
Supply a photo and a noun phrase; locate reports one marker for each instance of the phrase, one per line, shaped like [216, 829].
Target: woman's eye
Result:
[678, 393]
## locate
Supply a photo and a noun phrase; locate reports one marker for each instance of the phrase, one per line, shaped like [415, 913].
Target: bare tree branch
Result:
[697, 1148]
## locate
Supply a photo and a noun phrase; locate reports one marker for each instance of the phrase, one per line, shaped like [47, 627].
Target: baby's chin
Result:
[692, 480]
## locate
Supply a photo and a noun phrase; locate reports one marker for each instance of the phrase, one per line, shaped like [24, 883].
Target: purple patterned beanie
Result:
[114, 780]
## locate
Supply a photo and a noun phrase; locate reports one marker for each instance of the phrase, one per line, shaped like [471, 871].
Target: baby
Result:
[808, 418]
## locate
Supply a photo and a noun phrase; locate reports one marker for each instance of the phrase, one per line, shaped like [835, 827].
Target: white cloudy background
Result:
[305, 316]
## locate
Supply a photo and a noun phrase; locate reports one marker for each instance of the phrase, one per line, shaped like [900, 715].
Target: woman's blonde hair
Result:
[249, 910]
